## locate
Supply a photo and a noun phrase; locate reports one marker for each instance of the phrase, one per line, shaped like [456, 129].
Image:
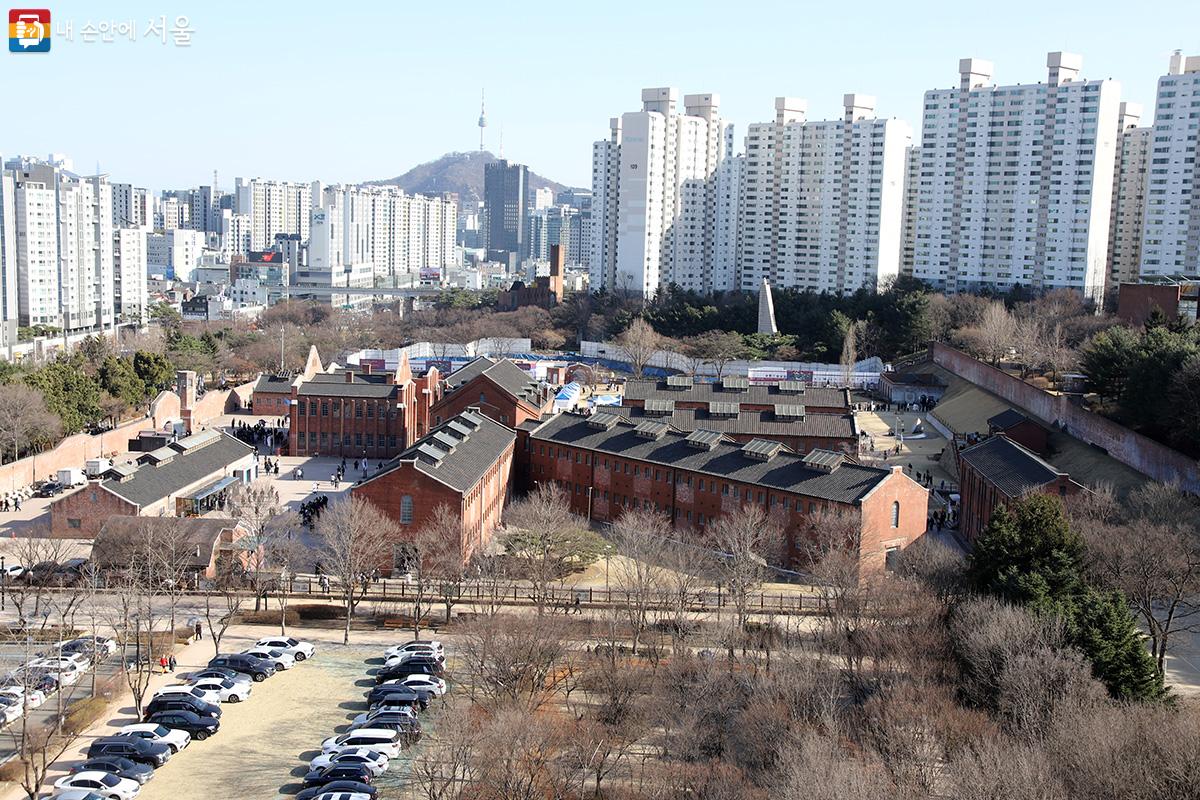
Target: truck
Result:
[98, 466]
[71, 476]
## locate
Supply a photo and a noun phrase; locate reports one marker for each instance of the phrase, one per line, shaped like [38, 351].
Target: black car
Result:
[417, 669]
[199, 727]
[393, 693]
[116, 765]
[336, 786]
[338, 772]
[257, 668]
[143, 751]
[50, 489]
[182, 702]
[217, 673]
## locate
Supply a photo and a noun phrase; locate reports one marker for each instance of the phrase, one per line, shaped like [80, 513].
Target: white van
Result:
[379, 739]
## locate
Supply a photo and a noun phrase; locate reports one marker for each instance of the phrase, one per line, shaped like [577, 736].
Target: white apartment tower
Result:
[61, 229]
[822, 202]
[1171, 228]
[912, 179]
[1129, 197]
[132, 206]
[274, 207]
[130, 268]
[9, 268]
[655, 194]
[1016, 181]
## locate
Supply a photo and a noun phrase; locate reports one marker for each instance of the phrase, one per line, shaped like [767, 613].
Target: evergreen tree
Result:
[1104, 629]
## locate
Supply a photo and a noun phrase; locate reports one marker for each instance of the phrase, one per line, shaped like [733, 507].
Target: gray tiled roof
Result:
[786, 471]
[913, 379]
[754, 394]
[471, 456]
[119, 537]
[746, 422]
[1006, 419]
[151, 483]
[274, 383]
[339, 388]
[1012, 468]
[504, 373]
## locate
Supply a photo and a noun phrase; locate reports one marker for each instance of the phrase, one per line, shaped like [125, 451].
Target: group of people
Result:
[10, 502]
[168, 663]
[270, 467]
[311, 509]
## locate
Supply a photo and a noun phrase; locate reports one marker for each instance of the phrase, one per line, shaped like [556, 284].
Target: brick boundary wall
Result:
[75, 450]
[1145, 455]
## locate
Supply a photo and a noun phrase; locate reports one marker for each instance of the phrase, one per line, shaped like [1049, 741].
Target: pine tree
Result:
[1104, 629]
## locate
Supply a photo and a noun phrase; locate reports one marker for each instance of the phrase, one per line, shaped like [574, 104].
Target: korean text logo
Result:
[29, 30]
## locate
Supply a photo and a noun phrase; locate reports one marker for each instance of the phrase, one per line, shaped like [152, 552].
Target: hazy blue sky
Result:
[354, 91]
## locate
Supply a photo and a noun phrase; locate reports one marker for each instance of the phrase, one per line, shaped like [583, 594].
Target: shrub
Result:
[313, 611]
[82, 714]
[268, 617]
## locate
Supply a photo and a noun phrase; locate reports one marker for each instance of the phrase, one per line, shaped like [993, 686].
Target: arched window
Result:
[406, 509]
[896, 514]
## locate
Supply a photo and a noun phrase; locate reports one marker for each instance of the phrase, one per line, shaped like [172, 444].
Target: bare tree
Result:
[439, 546]
[997, 331]
[357, 537]
[548, 540]
[639, 342]
[641, 538]
[720, 348]
[446, 768]
[255, 506]
[24, 419]
[745, 541]
[514, 661]
[850, 351]
[222, 603]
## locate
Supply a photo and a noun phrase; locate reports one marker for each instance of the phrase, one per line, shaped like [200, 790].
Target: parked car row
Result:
[350, 762]
[28, 686]
[177, 714]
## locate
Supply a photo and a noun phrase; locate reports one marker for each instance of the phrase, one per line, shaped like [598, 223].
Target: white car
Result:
[101, 643]
[382, 740]
[280, 659]
[428, 683]
[228, 691]
[104, 784]
[26, 697]
[365, 717]
[295, 648]
[10, 710]
[343, 796]
[374, 760]
[65, 674]
[417, 645]
[171, 737]
[13, 571]
[62, 661]
[191, 690]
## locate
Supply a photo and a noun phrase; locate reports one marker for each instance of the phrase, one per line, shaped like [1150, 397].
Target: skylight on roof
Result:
[761, 449]
[703, 440]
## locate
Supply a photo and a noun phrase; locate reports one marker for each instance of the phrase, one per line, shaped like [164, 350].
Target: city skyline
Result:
[245, 111]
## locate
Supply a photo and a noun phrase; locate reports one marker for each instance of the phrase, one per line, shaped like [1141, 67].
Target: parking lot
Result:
[265, 743]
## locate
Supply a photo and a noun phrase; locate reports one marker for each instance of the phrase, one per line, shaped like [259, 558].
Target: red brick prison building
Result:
[607, 464]
[188, 477]
[356, 413]
[1021, 429]
[464, 463]
[686, 393]
[497, 389]
[784, 423]
[997, 471]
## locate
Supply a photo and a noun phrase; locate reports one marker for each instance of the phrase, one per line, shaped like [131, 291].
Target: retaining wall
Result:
[1145, 455]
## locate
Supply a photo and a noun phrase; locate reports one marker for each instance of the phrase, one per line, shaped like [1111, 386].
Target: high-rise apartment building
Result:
[505, 207]
[1016, 181]
[274, 207]
[132, 206]
[908, 239]
[130, 269]
[822, 202]
[655, 195]
[61, 229]
[175, 253]
[9, 265]
[1129, 197]
[1171, 227]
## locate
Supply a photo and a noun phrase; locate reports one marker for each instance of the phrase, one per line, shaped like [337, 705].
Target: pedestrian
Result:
[17, 502]
[199, 631]
[315, 485]
[162, 662]
[172, 663]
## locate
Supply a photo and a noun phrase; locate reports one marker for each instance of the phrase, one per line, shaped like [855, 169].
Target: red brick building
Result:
[685, 392]
[607, 464]
[464, 463]
[272, 394]
[997, 471]
[1021, 429]
[787, 424]
[360, 412]
[1175, 295]
[206, 546]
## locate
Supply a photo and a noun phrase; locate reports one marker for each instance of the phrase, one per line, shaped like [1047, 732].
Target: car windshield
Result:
[110, 780]
[161, 730]
[292, 642]
[227, 684]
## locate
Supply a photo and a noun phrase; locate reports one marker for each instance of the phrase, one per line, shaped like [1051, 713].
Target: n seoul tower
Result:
[482, 120]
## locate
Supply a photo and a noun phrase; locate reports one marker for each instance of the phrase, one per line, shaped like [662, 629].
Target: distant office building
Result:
[822, 201]
[1016, 181]
[174, 253]
[506, 201]
[1171, 232]
[1129, 196]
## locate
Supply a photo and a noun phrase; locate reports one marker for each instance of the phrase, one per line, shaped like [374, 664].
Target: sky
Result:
[346, 92]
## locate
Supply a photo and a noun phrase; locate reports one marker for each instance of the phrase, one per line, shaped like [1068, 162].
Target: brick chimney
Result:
[348, 376]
